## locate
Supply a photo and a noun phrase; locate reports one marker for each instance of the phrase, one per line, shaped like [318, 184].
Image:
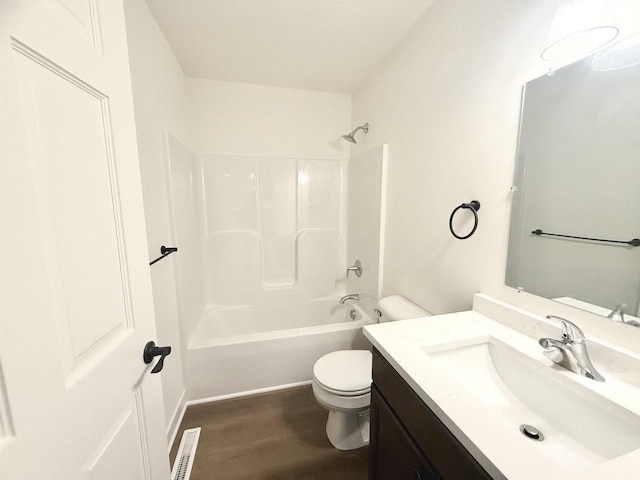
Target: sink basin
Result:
[578, 425]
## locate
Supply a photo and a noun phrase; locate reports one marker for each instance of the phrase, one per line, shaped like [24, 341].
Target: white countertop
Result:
[500, 448]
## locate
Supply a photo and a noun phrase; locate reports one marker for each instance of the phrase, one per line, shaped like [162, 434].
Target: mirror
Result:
[578, 174]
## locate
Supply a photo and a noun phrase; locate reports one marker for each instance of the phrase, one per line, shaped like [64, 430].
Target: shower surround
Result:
[273, 231]
[263, 245]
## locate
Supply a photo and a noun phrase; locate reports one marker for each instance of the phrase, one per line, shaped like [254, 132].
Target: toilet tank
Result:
[396, 307]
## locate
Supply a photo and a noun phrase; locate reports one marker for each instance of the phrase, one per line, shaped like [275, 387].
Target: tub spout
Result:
[350, 296]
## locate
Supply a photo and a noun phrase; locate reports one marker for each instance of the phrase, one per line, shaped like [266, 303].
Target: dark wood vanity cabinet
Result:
[408, 441]
[396, 455]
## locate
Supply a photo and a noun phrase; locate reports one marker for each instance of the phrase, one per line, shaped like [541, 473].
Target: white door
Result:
[76, 399]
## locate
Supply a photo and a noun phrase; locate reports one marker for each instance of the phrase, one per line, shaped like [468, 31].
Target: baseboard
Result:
[176, 419]
[245, 393]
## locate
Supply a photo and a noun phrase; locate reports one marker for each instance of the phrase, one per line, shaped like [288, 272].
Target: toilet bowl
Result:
[342, 382]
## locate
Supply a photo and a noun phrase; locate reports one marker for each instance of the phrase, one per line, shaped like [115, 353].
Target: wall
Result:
[240, 119]
[447, 102]
[159, 102]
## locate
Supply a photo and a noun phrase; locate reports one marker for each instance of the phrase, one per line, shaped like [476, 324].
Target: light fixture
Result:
[579, 27]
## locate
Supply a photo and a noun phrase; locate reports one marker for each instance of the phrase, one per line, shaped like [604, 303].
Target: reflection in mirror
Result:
[578, 174]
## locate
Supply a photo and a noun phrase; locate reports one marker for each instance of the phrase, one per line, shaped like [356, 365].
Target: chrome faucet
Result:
[617, 314]
[350, 296]
[571, 351]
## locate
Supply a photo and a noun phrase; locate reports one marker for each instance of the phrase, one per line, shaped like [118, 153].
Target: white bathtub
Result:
[240, 350]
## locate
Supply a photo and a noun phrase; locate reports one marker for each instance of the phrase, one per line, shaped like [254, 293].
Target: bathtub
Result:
[245, 349]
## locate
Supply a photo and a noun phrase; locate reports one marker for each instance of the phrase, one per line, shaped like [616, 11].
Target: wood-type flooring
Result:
[272, 436]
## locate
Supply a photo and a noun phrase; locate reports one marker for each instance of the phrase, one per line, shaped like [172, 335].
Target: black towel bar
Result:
[634, 242]
[164, 251]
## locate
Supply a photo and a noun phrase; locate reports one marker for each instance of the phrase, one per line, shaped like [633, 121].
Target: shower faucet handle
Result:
[357, 267]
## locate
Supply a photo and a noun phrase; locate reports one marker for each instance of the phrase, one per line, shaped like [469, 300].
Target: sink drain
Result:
[531, 432]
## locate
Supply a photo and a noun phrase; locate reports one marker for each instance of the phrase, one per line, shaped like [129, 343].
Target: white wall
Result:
[159, 101]
[447, 102]
[240, 119]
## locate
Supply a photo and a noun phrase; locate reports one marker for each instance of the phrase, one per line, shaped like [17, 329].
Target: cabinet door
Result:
[393, 454]
[448, 456]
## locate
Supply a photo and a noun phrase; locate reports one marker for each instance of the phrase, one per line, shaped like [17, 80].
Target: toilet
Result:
[342, 381]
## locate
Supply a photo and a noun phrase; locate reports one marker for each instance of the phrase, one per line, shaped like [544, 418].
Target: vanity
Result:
[407, 438]
[470, 395]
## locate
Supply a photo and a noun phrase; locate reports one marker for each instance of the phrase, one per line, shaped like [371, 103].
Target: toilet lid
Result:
[347, 371]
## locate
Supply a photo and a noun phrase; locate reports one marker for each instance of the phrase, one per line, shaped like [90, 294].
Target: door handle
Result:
[151, 350]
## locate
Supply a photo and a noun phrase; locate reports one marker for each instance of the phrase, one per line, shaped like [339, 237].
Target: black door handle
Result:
[151, 350]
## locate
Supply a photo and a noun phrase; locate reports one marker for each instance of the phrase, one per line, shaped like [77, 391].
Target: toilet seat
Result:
[346, 373]
[342, 393]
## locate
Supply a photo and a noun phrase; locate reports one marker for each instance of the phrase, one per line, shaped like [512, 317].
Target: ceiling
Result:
[330, 45]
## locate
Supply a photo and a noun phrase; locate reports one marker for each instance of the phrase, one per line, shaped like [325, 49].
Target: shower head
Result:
[350, 137]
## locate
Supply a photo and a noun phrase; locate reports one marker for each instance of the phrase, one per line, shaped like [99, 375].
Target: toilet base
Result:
[348, 431]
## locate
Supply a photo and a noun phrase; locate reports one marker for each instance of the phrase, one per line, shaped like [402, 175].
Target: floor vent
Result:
[186, 454]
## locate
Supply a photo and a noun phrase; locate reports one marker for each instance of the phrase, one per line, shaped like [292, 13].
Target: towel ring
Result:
[474, 206]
